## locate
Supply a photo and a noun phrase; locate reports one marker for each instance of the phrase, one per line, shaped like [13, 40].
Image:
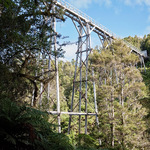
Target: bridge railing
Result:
[132, 46]
[89, 19]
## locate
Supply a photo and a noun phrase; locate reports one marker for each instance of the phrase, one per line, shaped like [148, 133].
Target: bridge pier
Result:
[82, 71]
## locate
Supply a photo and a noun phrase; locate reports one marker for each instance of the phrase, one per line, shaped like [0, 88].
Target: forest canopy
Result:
[122, 87]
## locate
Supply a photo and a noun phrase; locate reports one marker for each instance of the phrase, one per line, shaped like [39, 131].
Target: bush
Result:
[26, 128]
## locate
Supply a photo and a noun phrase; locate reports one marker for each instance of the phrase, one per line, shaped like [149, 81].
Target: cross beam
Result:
[71, 113]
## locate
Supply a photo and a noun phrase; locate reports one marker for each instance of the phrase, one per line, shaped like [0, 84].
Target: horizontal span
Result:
[75, 14]
[71, 113]
[78, 14]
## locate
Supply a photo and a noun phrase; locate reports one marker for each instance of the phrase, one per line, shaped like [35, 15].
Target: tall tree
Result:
[119, 92]
[25, 32]
[146, 43]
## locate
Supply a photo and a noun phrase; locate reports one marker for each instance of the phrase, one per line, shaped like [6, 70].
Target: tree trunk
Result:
[112, 110]
[122, 113]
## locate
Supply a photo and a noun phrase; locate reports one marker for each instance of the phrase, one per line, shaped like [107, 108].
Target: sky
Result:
[122, 17]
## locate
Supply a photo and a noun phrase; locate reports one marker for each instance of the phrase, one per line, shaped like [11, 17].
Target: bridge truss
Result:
[84, 25]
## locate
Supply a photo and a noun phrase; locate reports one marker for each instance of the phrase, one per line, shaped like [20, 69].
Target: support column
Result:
[49, 62]
[78, 56]
[73, 90]
[88, 47]
[102, 41]
[57, 74]
[80, 90]
[84, 41]
[48, 87]
[41, 86]
[142, 61]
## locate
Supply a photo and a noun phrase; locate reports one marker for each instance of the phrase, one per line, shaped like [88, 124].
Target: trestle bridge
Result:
[84, 25]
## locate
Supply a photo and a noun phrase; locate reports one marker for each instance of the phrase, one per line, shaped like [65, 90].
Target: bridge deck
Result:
[78, 15]
[75, 14]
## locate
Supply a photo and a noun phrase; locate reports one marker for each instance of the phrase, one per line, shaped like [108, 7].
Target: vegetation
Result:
[123, 90]
[119, 92]
[23, 127]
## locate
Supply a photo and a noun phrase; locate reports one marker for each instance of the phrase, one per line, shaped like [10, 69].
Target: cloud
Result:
[148, 18]
[147, 2]
[148, 29]
[127, 2]
[86, 3]
[117, 10]
[107, 3]
[137, 2]
[80, 3]
[70, 51]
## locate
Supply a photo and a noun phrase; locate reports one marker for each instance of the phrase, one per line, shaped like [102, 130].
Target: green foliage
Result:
[20, 23]
[146, 100]
[121, 94]
[27, 128]
[120, 89]
[85, 142]
[146, 44]
[136, 41]
[12, 85]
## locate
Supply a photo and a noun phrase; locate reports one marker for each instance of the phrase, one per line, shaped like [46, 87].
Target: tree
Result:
[136, 41]
[119, 90]
[20, 23]
[146, 44]
[28, 129]
[25, 35]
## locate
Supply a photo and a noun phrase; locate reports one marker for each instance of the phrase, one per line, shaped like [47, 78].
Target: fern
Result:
[27, 128]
